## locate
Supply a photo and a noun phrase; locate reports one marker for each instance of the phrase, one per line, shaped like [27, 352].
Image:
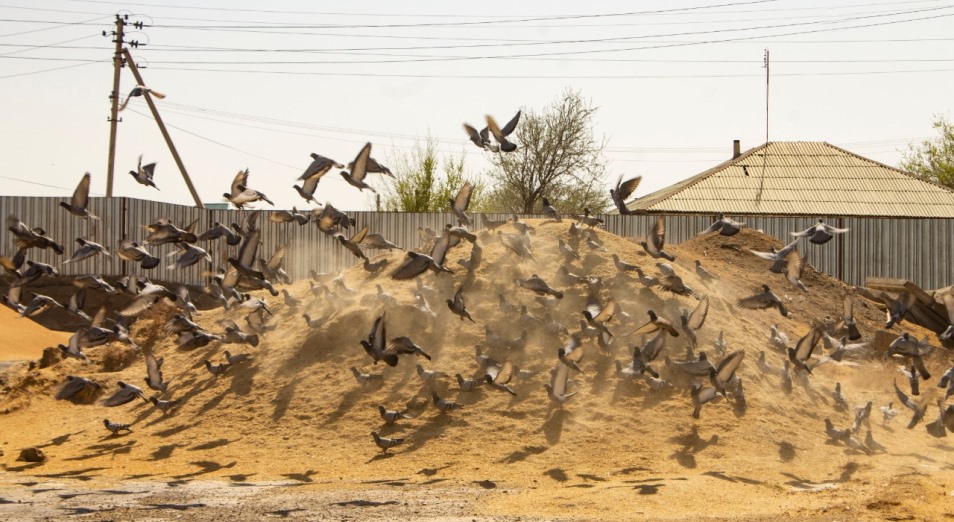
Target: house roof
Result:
[803, 178]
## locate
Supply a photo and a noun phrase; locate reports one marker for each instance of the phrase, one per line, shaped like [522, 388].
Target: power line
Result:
[56, 26]
[53, 69]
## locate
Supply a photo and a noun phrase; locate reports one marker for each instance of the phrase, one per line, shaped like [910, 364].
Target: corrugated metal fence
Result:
[921, 250]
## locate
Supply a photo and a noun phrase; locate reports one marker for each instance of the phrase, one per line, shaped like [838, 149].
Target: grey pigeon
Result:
[188, 256]
[803, 350]
[219, 230]
[539, 286]
[622, 192]
[690, 323]
[656, 241]
[461, 201]
[656, 323]
[115, 427]
[144, 173]
[216, 369]
[154, 374]
[557, 387]
[27, 237]
[80, 200]
[165, 407]
[597, 315]
[391, 416]
[86, 250]
[444, 405]
[947, 381]
[429, 376]
[481, 139]
[237, 358]
[78, 389]
[468, 385]
[701, 395]
[136, 253]
[498, 377]
[820, 233]
[359, 169]
[724, 226]
[919, 409]
[241, 194]
[500, 133]
[319, 166]
[762, 300]
[835, 434]
[126, 393]
[572, 353]
[841, 404]
[724, 373]
[457, 305]
[40, 303]
[365, 378]
[385, 443]
[704, 274]
[779, 258]
[405, 346]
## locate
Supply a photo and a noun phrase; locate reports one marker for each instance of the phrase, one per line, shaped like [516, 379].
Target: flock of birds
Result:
[571, 290]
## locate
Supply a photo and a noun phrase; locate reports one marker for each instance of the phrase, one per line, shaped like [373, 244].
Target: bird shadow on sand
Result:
[206, 466]
[165, 451]
[553, 426]
[431, 429]
[59, 441]
[348, 400]
[104, 449]
[76, 474]
[691, 443]
[523, 453]
[283, 399]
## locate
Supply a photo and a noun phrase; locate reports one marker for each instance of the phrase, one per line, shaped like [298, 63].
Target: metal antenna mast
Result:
[758, 197]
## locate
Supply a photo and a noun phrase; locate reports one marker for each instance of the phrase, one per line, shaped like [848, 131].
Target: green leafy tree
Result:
[557, 157]
[424, 182]
[933, 159]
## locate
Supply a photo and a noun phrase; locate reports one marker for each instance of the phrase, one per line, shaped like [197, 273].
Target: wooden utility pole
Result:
[114, 101]
[758, 197]
[162, 127]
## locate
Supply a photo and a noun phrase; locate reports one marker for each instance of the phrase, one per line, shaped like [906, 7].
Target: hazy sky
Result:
[264, 84]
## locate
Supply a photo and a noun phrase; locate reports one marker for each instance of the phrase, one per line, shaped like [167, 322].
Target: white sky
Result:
[669, 106]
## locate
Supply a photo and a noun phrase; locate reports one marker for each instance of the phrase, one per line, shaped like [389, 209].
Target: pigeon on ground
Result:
[429, 376]
[841, 404]
[385, 443]
[126, 393]
[444, 405]
[391, 416]
[237, 358]
[165, 407]
[704, 274]
[115, 427]
[836, 434]
[468, 385]
[888, 412]
[80, 200]
[365, 378]
[820, 233]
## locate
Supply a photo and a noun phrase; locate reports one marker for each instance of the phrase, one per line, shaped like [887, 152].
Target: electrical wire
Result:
[54, 69]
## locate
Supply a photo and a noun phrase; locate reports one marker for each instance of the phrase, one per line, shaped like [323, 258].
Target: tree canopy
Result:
[933, 159]
[424, 182]
[557, 157]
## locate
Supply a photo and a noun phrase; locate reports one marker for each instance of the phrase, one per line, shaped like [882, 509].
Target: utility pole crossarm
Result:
[162, 128]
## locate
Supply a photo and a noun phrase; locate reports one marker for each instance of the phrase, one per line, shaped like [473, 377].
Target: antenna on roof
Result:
[758, 196]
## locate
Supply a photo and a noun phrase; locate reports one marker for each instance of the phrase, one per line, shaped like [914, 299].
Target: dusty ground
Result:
[288, 434]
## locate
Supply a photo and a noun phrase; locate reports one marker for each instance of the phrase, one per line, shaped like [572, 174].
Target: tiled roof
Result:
[803, 178]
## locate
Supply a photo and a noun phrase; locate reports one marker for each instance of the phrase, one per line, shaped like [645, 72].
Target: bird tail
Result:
[157, 94]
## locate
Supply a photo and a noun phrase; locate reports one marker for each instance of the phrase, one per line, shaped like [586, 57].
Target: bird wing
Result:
[511, 125]
[504, 373]
[153, 370]
[359, 168]
[99, 318]
[793, 267]
[804, 233]
[907, 401]
[698, 316]
[559, 378]
[122, 396]
[625, 189]
[849, 309]
[948, 300]
[657, 237]
[787, 248]
[249, 249]
[458, 298]
[473, 135]
[649, 327]
[729, 365]
[360, 235]
[81, 195]
[806, 345]
[310, 185]
[240, 179]
[462, 200]
[573, 350]
[440, 248]
[755, 302]
[655, 345]
[609, 310]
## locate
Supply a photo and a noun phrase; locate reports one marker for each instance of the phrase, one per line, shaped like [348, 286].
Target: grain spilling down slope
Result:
[617, 449]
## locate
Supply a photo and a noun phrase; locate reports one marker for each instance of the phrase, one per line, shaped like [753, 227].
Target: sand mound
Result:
[296, 412]
[23, 339]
